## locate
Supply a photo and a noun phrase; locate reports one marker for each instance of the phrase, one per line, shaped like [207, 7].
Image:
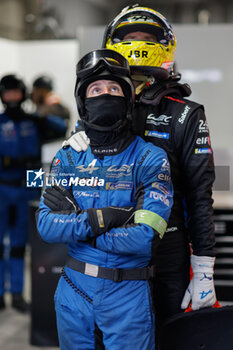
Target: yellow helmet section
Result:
[150, 53]
[147, 54]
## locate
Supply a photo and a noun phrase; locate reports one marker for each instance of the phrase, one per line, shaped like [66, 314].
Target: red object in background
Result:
[216, 305]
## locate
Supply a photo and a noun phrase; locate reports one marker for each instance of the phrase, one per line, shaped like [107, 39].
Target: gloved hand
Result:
[102, 220]
[59, 199]
[78, 141]
[201, 291]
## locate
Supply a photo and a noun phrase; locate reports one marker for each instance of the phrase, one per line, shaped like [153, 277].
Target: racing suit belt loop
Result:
[116, 275]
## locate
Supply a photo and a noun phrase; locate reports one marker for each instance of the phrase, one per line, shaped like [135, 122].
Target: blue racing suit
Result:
[21, 136]
[139, 176]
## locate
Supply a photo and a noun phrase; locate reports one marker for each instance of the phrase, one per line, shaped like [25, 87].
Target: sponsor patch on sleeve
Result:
[203, 151]
[160, 135]
[123, 185]
[56, 162]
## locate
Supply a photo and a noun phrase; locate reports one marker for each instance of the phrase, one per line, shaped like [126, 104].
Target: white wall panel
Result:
[10, 51]
[29, 59]
[57, 58]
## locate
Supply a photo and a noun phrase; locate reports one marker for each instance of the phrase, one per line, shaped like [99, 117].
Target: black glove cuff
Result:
[96, 221]
[102, 220]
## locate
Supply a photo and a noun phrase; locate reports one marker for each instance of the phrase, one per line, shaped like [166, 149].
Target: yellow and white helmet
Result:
[143, 55]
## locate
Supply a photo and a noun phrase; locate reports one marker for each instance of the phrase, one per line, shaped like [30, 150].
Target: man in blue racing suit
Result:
[21, 136]
[110, 205]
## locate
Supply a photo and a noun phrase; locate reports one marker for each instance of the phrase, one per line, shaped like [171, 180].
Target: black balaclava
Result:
[13, 105]
[12, 82]
[105, 119]
[14, 110]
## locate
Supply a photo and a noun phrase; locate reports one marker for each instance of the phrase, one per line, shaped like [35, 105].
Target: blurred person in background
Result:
[164, 116]
[21, 137]
[47, 102]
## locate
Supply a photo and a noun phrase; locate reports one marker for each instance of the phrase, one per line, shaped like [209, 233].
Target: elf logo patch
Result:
[203, 140]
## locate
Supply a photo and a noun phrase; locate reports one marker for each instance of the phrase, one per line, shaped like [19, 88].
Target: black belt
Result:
[16, 183]
[116, 275]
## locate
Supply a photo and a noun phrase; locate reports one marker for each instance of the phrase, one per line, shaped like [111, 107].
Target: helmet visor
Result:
[112, 60]
[141, 21]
